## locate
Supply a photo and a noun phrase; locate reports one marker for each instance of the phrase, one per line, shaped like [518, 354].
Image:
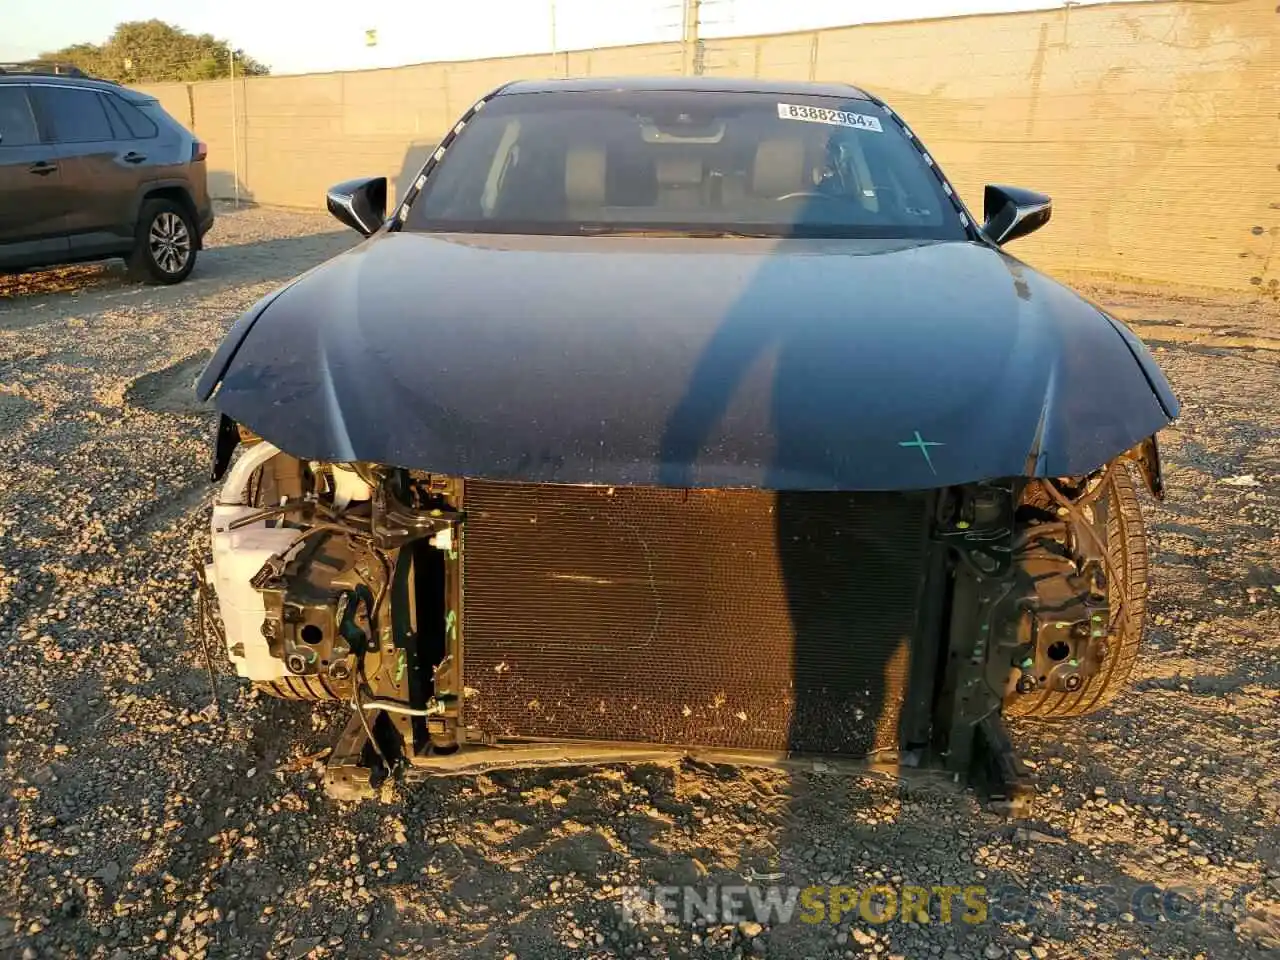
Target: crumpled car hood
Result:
[795, 364]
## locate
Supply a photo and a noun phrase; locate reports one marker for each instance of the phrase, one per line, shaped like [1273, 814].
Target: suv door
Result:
[101, 167]
[32, 202]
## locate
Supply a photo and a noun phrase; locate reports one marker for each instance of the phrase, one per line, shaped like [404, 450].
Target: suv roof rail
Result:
[44, 68]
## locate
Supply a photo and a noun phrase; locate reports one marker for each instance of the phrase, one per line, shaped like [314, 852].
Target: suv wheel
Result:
[165, 245]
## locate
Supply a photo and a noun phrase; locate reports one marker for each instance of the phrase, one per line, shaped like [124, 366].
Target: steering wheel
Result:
[797, 194]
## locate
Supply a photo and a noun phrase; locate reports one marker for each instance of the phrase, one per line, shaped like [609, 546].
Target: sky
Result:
[299, 36]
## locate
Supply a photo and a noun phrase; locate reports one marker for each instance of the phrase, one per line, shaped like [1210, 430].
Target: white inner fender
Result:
[237, 556]
[348, 487]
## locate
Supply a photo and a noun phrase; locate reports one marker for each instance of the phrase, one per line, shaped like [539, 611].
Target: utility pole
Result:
[690, 42]
[554, 64]
[235, 125]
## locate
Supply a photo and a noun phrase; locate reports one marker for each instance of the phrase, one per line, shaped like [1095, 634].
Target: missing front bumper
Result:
[352, 773]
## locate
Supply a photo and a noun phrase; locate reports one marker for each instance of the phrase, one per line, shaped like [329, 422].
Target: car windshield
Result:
[585, 162]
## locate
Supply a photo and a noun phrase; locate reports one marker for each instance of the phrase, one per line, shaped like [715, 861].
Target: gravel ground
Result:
[135, 826]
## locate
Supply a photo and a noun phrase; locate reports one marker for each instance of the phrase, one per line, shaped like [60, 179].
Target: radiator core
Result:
[740, 619]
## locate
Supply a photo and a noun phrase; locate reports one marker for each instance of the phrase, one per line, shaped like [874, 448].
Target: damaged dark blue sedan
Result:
[682, 416]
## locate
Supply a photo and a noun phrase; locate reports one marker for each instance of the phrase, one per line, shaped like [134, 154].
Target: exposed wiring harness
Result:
[394, 706]
[206, 623]
[358, 705]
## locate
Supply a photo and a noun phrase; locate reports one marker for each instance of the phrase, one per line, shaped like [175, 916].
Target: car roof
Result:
[58, 79]
[84, 83]
[786, 88]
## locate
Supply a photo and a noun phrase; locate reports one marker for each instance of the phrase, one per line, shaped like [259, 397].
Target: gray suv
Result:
[91, 170]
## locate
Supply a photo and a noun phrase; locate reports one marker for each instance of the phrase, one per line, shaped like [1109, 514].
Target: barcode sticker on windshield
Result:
[837, 118]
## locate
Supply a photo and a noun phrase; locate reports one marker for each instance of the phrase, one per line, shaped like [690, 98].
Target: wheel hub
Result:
[170, 242]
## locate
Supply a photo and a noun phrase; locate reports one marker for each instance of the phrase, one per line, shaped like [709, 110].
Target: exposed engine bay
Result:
[473, 624]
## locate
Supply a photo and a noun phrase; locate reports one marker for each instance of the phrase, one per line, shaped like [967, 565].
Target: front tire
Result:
[164, 248]
[1127, 545]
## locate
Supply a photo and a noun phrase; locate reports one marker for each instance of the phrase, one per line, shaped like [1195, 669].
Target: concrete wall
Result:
[1155, 126]
[294, 136]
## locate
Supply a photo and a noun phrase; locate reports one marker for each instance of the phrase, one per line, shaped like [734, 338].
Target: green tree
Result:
[145, 51]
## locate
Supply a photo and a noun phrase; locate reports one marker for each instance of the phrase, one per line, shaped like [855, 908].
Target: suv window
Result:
[131, 121]
[17, 124]
[74, 115]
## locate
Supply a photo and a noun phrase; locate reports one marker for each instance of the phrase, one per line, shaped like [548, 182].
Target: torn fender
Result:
[1147, 456]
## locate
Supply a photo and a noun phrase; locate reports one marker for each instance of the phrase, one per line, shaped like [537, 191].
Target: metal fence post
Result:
[235, 132]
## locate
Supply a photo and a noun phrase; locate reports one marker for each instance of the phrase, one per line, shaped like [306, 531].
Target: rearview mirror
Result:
[360, 204]
[1012, 212]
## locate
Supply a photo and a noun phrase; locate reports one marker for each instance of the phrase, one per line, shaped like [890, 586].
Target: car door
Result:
[32, 202]
[100, 167]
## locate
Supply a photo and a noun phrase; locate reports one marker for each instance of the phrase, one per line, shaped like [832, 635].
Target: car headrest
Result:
[779, 167]
[584, 180]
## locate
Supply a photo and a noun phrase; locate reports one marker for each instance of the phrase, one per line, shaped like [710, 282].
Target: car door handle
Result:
[42, 167]
[132, 157]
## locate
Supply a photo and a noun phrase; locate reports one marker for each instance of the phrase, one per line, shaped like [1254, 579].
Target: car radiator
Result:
[733, 619]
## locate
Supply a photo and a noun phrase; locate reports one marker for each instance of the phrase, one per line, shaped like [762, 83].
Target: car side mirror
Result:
[360, 204]
[1012, 212]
